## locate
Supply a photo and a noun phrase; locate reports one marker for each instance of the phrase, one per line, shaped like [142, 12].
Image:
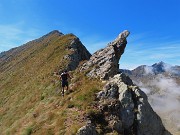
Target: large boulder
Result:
[88, 129]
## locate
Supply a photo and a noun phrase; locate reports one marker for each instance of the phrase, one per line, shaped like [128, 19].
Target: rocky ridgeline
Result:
[78, 53]
[104, 63]
[122, 107]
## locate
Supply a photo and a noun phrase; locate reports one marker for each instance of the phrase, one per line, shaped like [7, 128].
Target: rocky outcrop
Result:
[104, 63]
[136, 114]
[122, 107]
[78, 53]
[88, 129]
[125, 109]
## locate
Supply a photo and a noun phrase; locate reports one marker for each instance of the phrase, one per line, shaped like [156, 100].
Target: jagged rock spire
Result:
[104, 63]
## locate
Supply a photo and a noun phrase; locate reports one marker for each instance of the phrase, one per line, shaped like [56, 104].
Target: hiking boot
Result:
[62, 94]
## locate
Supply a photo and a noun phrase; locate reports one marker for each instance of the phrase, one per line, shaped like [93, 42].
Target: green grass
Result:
[28, 131]
[29, 103]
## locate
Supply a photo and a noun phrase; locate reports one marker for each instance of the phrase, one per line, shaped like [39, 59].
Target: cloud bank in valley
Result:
[164, 97]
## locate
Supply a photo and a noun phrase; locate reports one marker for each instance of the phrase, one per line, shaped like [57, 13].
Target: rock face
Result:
[135, 113]
[79, 53]
[89, 129]
[122, 107]
[125, 110]
[104, 63]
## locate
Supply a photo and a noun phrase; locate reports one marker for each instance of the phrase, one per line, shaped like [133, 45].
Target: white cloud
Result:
[13, 35]
[164, 99]
[127, 65]
[168, 68]
[148, 69]
[164, 55]
[146, 90]
[145, 52]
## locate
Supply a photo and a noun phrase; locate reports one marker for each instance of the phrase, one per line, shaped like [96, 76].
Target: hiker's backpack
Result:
[64, 76]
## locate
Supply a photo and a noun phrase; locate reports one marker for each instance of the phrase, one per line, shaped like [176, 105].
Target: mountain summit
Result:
[100, 100]
[160, 67]
[44, 49]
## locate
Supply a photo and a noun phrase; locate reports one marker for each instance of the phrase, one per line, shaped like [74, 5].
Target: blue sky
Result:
[154, 25]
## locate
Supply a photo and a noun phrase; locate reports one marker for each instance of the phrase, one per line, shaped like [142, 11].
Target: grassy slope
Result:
[30, 102]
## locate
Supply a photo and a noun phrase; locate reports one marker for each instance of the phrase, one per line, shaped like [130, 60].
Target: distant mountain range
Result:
[157, 68]
[144, 72]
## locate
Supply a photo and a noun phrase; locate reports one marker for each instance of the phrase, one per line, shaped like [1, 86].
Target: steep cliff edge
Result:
[122, 107]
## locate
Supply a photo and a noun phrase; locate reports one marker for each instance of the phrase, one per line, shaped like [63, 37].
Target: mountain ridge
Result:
[156, 68]
[30, 101]
[27, 78]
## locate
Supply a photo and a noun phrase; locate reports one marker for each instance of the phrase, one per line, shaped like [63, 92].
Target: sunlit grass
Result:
[29, 102]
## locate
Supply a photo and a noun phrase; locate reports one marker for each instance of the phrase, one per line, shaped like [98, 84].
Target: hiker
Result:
[64, 80]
